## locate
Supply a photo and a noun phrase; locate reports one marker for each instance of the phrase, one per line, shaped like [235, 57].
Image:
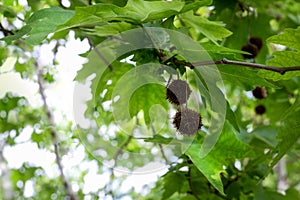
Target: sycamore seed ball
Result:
[187, 122]
[178, 92]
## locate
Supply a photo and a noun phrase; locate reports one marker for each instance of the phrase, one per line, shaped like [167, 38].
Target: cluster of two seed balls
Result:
[253, 47]
[260, 93]
[186, 121]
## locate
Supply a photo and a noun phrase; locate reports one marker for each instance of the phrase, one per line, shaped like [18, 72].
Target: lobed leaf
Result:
[288, 58]
[200, 25]
[227, 149]
[290, 38]
[135, 11]
[41, 24]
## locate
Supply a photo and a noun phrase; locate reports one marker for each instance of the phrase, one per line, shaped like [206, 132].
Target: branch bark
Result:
[100, 54]
[160, 146]
[5, 31]
[280, 170]
[224, 61]
[54, 135]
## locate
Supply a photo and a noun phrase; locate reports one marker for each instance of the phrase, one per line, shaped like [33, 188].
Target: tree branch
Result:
[100, 54]
[160, 146]
[54, 135]
[280, 170]
[5, 31]
[120, 150]
[224, 61]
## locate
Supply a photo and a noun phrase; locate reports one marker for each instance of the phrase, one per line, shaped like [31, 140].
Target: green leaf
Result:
[136, 11]
[44, 22]
[292, 194]
[7, 11]
[199, 25]
[98, 60]
[23, 31]
[282, 59]
[110, 28]
[41, 24]
[289, 37]
[25, 69]
[294, 108]
[243, 77]
[109, 79]
[266, 134]
[276, 105]
[233, 190]
[195, 5]
[207, 77]
[173, 182]
[139, 89]
[227, 149]
[287, 58]
[145, 97]
[221, 51]
[4, 54]
[261, 193]
[230, 116]
[26, 172]
[34, 4]
[239, 23]
[288, 135]
[8, 2]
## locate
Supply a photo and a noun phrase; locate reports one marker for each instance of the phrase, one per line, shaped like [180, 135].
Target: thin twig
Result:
[118, 153]
[188, 177]
[224, 61]
[5, 31]
[55, 51]
[54, 134]
[120, 150]
[99, 53]
[160, 146]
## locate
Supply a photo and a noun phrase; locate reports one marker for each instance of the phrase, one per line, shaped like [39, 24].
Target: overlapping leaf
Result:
[136, 11]
[41, 24]
[212, 30]
[288, 58]
[227, 149]
[288, 135]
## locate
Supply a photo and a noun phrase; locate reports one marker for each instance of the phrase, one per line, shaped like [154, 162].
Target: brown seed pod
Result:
[260, 109]
[257, 41]
[187, 122]
[260, 92]
[178, 92]
[250, 48]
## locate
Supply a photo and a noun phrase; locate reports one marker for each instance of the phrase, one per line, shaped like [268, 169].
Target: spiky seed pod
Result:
[260, 92]
[250, 48]
[257, 41]
[187, 122]
[178, 92]
[260, 109]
